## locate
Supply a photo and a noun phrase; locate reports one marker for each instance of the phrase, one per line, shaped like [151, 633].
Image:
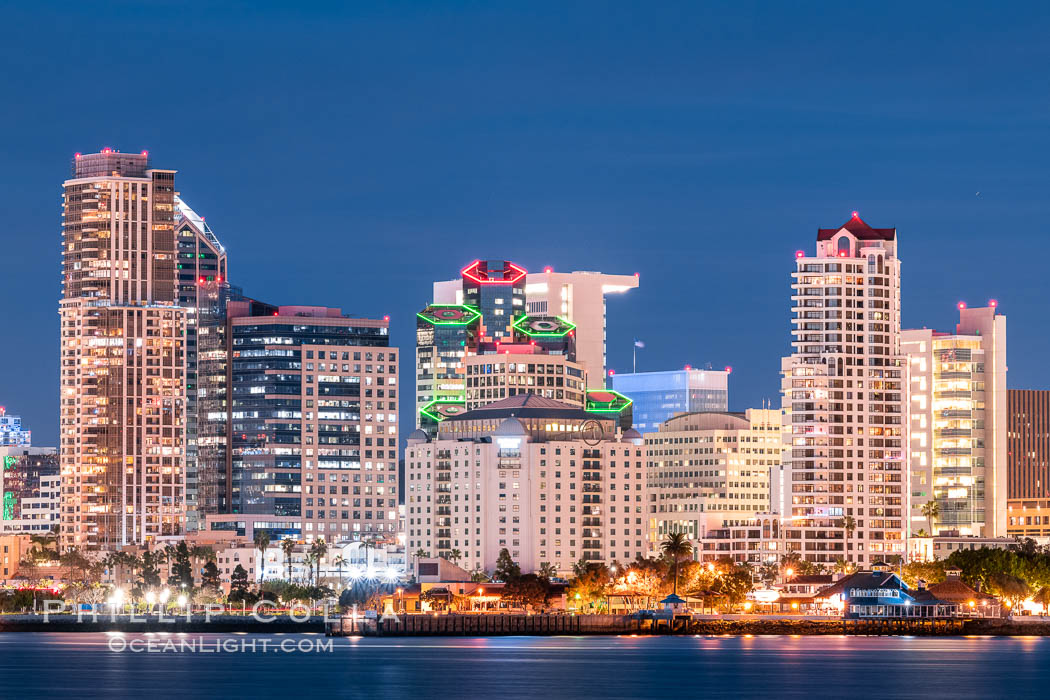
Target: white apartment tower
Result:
[122, 375]
[843, 396]
[957, 425]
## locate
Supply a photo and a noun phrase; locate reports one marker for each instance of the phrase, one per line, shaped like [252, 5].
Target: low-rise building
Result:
[13, 549]
[1029, 517]
[943, 545]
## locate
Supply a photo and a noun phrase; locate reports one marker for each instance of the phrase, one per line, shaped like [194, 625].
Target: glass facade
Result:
[658, 396]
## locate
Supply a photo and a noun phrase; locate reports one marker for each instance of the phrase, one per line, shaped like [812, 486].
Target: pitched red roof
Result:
[860, 230]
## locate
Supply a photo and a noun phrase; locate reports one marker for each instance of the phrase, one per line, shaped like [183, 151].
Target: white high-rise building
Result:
[546, 481]
[846, 494]
[578, 297]
[957, 425]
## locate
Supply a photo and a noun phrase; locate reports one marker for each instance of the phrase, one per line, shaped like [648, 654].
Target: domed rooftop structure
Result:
[632, 436]
[418, 435]
[510, 427]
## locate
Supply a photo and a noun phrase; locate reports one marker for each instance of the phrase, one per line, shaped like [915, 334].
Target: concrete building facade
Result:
[122, 403]
[844, 400]
[546, 481]
[705, 467]
[308, 438]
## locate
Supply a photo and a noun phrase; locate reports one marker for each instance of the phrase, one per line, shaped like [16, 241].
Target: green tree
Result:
[676, 547]
[590, 587]
[506, 568]
[75, 561]
[734, 585]
[547, 571]
[239, 582]
[261, 539]
[288, 547]
[931, 510]
[181, 567]
[210, 575]
[149, 569]
[319, 549]
[340, 561]
[849, 526]
[526, 591]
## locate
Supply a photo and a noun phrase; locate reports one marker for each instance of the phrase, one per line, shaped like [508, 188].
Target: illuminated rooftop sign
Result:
[444, 408]
[479, 272]
[554, 327]
[606, 401]
[449, 314]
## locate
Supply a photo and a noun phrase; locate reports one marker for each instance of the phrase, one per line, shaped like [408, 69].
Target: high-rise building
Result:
[201, 270]
[577, 297]
[122, 416]
[843, 397]
[705, 467]
[303, 438]
[1028, 463]
[29, 484]
[957, 430]
[546, 481]
[11, 432]
[658, 396]
[482, 346]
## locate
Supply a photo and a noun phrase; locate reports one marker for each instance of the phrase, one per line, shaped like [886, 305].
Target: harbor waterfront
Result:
[351, 626]
[577, 667]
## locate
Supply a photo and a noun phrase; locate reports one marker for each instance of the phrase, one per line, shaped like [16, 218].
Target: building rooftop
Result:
[860, 230]
[524, 406]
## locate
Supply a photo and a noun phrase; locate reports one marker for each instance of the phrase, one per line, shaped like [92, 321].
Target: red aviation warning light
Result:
[993, 303]
[961, 305]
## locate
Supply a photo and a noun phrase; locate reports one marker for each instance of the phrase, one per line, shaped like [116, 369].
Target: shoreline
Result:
[531, 626]
[222, 624]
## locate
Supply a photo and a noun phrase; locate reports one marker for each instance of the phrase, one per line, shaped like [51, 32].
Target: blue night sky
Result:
[349, 156]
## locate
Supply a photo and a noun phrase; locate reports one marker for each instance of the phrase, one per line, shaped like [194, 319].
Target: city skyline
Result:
[691, 150]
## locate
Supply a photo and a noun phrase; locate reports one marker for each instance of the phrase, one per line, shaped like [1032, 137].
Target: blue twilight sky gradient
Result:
[349, 155]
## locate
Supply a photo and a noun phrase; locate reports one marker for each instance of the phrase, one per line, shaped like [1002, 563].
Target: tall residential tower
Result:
[843, 397]
[122, 413]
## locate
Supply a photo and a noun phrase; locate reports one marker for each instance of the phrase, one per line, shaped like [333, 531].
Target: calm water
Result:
[83, 666]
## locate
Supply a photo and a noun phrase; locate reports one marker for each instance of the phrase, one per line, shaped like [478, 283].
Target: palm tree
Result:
[547, 570]
[340, 562]
[849, 525]
[308, 562]
[262, 542]
[677, 547]
[288, 546]
[454, 556]
[319, 548]
[930, 510]
[422, 553]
